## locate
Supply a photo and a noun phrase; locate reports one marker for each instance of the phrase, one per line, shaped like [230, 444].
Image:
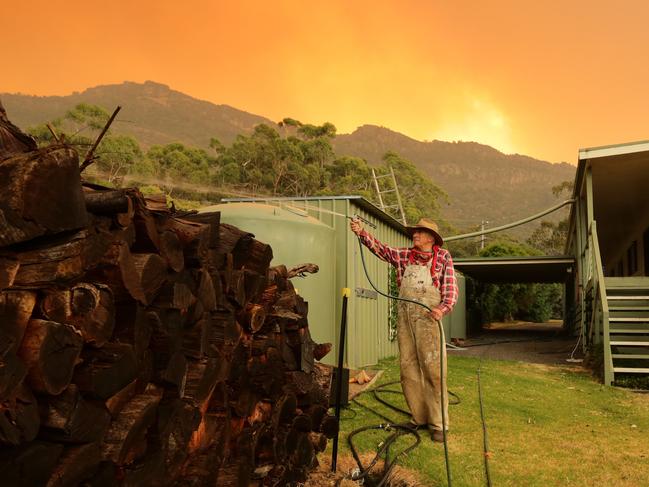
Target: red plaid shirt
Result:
[443, 274]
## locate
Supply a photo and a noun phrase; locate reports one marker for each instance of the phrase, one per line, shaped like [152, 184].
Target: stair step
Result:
[620, 297]
[629, 319]
[634, 356]
[630, 331]
[628, 343]
[631, 370]
[628, 308]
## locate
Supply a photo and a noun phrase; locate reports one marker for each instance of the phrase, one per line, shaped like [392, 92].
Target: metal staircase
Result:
[628, 305]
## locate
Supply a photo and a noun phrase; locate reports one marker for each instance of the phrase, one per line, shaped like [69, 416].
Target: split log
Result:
[157, 204]
[174, 376]
[151, 272]
[246, 251]
[60, 260]
[329, 426]
[147, 235]
[105, 476]
[177, 421]
[307, 347]
[224, 331]
[175, 294]
[190, 233]
[230, 237]
[109, 202]
[50, 351]
[321, 350]
[301, 270]
[133, 327]
[304, 452]
[12, 373]
[167, 327]
[76, 464]
[150, 470]
[107, 370]
[194, 340]
[202, 378]
[171, 250]
[235, 474]
[213, 219]
[19, 421]
[202, 469]
[121, 442]
[41, 195]
[206, 292]
[284, 411]
[69, 418]
[87, 307]
[100, 237]
[13, 140]
[254, 315]
[117, 270]
[117, 401]
[319, 441]
[16, 308]
[31, 464]
[8, 270]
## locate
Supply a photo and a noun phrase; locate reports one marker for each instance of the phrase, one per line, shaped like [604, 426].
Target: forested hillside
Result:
[481, 182]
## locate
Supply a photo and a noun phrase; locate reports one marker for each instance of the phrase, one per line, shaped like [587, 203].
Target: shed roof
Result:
[357, 200]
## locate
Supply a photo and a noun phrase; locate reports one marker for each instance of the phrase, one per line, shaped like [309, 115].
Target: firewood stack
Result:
[144, 346]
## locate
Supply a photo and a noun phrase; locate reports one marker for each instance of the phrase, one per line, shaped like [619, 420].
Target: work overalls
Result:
[419, 346]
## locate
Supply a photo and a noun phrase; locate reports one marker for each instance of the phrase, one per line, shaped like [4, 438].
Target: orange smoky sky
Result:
[537, 78]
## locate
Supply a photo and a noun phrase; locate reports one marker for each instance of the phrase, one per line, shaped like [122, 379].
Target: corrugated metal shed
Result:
[368, 337]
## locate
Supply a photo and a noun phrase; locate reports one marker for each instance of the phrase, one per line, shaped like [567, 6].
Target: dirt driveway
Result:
[539, 343]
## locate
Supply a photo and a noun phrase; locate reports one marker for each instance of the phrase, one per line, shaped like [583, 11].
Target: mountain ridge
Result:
[482, 182]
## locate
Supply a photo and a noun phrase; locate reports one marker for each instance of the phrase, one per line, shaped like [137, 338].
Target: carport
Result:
[517, 269]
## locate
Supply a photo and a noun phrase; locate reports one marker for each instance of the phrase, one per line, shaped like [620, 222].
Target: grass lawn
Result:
[547, 426]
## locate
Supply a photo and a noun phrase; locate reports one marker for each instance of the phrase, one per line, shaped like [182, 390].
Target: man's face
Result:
[422, 240]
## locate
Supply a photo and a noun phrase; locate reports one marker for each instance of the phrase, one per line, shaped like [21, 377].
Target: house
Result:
[608, 294]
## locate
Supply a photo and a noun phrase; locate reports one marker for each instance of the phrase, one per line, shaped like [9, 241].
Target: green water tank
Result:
[295, 240]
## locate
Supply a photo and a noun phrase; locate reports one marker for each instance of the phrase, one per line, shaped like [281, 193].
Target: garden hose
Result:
[400, 429]
[485, 438]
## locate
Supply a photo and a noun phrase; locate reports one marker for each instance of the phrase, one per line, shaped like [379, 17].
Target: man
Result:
[424, 274]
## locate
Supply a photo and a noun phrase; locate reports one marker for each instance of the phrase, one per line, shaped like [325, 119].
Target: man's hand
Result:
[436, 314]
[356, 226]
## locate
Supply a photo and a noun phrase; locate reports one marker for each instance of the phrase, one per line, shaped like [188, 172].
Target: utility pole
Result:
[482, 237]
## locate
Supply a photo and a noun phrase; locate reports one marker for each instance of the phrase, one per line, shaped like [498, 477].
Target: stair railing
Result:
[599, 323]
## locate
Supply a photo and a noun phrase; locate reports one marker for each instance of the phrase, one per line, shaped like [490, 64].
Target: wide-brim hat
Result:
[428, 225]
